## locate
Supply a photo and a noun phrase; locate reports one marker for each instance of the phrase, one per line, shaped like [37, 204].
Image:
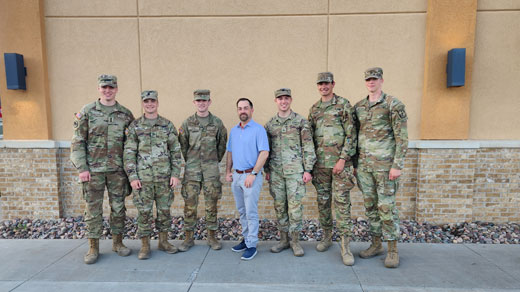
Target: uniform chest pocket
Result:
[211, 130]
[160, 134]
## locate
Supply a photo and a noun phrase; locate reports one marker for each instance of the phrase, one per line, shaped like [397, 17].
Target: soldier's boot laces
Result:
[164, 245]
[376, 248]
[188, 241]
[392, 258]
[282, 244]
[295, 244]
[119, 247]
[346, 255]
[212, 240]
[93, 252]
[144, 253]
[326, 242]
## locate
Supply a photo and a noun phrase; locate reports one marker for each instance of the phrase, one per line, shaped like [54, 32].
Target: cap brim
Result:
[108, 84]
[372, 76]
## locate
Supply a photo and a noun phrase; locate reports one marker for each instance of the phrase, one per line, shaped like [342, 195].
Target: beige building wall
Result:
[495, 105]
[250, 48]
[235, 48]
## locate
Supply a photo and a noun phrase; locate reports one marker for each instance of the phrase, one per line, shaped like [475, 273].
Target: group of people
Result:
[336, 146]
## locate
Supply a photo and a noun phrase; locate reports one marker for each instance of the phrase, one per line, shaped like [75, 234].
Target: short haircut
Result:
[246, 99]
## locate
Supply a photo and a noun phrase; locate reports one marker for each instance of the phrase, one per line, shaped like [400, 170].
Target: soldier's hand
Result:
[338, 168]
[307, 177]
[267, 176]
[229, 177]
[84, 176]
[250, 179]
[135, 184]
[394, 173]
[174, 181]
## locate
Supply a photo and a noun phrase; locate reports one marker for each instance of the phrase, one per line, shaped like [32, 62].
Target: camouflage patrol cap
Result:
[325, 77]
[149, 94]
[374, 72]
[282, 92]
[107, 80]
[201, 94]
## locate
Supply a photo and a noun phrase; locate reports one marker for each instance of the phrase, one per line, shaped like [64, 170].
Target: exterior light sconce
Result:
[15, 71]
[456, 67]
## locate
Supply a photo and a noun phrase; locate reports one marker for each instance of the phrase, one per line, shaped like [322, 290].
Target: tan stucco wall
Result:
[235, 48]
[250, 48]
[26, 113]
[495, 105]
[445, 111]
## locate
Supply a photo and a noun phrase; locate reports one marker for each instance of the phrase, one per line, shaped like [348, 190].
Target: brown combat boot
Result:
[282, 244]
[212, 240]
[326, 241]
[346, 255]
[392, 258]
[93, 252]
[119, 247]
[164, 245]
[144, 253]
[376, 248]
[295, 244]
[188, 241]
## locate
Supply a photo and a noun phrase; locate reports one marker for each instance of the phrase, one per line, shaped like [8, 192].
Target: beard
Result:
[244, 117]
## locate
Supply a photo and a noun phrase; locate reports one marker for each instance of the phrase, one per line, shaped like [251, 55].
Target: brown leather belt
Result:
[244, 171]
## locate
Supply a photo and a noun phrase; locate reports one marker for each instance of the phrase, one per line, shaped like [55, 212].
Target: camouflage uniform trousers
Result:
[212, 193]
[162, 194]
[334, 187]
[379, 196]
[287, 192]
[93, 191]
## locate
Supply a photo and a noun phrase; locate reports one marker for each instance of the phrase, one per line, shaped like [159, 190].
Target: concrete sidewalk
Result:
[57, 265]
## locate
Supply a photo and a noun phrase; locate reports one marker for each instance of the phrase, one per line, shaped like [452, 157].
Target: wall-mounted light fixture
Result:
[15, 71]
[456, 67]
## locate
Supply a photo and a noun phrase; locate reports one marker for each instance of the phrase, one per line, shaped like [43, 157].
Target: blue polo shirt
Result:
[246, 143]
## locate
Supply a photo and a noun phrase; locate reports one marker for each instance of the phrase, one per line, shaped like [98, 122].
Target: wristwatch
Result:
[254, 172]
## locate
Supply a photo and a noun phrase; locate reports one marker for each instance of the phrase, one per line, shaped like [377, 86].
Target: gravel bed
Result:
[229, 229]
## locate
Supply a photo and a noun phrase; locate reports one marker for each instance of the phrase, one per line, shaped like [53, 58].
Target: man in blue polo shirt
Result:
[247, 151]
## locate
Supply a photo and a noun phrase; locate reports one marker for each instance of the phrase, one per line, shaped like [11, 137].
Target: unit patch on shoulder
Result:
[181, 130]
[402, 114]
[78, 115]
[126, 131]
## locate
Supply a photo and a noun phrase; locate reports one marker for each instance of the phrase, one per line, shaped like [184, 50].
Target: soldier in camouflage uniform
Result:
[382, 144]
[203, 140]
[334, 134]
[153, 163]
[97, 153]
[288, 169]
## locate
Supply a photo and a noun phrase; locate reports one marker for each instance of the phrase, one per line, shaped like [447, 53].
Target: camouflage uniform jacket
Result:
[152, 153]
[290, 141]
[203, 147]
[98, 140]
[333, 131]
[383, 135]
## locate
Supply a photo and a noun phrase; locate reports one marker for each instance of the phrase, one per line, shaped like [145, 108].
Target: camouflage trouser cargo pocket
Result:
[213, 190]
[92, 192]
[322, 181]
[342, 183]
[190, 193]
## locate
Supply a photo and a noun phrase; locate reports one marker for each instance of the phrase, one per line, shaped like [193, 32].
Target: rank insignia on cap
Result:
[78, 115]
